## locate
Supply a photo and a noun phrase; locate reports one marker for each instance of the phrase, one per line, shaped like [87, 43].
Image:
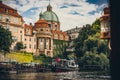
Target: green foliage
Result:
[89, 48]
[84, 33]
[60, 47]
[89, 44]
[20, 57]
[90, 58]
[5, 39]
[43, 58]
[19, 46]
[96, 25]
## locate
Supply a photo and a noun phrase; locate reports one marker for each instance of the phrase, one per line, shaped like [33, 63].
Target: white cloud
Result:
[67, 20]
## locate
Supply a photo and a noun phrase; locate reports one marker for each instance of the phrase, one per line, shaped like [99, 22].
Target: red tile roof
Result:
[28, 26]
[11, 11]
[41, 23]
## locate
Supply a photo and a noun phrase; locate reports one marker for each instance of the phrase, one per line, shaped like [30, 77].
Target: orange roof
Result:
[28, 26]
[41, 23]
[5, 6]
[11, 11]
[59, 32]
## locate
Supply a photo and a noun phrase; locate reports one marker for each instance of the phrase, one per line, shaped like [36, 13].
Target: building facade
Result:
[40, 38]
[73, 34]
[11, 20]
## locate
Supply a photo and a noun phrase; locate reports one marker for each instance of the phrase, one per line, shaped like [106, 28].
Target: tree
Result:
[89, 48]
[91, 58]
[84, 43]
[84, 33]
[5, 39]
[19, 46]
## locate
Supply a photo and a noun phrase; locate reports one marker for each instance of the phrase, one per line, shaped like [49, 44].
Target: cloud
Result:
[71, 13]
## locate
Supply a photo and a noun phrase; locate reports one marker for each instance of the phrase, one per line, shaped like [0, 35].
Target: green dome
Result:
[50, 16]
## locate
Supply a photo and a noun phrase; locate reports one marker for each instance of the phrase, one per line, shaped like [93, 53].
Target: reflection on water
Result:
[52, 76]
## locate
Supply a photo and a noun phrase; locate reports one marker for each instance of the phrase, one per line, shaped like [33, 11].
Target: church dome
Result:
[49, 15]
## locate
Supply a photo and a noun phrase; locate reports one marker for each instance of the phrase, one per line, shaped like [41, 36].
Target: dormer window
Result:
[27, 31]
[7, 19]
[6, 11]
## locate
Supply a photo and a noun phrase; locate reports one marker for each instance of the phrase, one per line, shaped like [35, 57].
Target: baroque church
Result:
[44, 37]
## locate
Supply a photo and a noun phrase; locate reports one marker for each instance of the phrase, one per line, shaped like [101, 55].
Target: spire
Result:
[49, 7]
[41, 15]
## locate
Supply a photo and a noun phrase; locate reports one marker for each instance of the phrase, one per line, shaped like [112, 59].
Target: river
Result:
[55, 76]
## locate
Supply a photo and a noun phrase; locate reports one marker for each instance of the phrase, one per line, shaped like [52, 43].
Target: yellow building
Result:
[44, 37]
[11, 20]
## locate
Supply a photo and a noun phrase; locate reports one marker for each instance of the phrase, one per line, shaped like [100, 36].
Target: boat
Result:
[63, 65]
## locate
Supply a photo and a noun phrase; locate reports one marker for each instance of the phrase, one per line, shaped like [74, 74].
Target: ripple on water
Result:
[53, 76]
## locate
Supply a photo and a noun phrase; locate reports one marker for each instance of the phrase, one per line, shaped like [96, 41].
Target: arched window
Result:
[55, 27]
[50, 26]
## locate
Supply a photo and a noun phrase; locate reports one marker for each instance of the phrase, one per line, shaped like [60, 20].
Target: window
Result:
[47, 43]
[41, 29]
[20, 31]
[40, 39]
[29, 45]
[7, 27]
[34, 46]
[29, 39]
[49, 25]
[7, 19]
[41, 44]
[25, 39]
[16, 20]
[6, 10]
[55, 27]
[73, 36]
[27, 31]
[15, 38]
[0, 17]
[15, 29]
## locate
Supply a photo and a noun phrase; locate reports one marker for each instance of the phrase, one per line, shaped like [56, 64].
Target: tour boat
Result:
[61, 65]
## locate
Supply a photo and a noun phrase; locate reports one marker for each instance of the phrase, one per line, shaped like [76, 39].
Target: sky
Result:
[71, 13]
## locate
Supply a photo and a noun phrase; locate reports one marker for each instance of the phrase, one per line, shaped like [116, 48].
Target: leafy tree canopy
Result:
[5, 39]
[20, 46]
[89, 48]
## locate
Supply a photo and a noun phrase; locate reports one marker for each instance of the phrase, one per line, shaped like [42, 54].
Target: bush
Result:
[94, 59]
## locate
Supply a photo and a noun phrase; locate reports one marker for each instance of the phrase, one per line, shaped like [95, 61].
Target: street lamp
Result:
[105, 26]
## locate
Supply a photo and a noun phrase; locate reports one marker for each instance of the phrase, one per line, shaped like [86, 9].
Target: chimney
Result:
[30, 24]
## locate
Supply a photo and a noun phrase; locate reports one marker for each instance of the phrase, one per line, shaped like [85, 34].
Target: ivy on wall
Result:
[59, 46]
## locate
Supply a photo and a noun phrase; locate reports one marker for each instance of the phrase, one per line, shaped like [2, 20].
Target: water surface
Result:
[55, 76]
